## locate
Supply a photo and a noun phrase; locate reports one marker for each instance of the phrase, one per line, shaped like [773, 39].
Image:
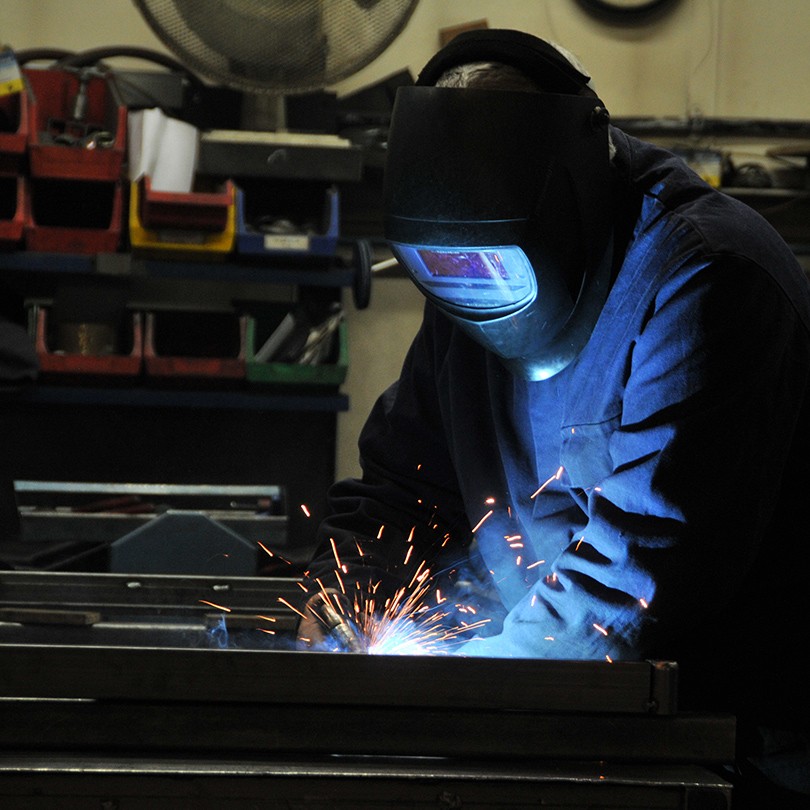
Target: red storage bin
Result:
[198, 223]
[64, 216]
[66, 362]
[179, 344]
[13, 191]
[77, 125]
[14, 122]
[199, 210]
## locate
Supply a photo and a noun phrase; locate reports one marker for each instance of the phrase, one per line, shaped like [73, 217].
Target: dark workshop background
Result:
[705, 59]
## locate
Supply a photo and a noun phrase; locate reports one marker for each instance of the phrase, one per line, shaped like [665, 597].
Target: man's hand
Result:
[326, 620]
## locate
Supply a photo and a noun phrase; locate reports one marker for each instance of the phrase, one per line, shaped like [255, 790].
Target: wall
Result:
[740, 58]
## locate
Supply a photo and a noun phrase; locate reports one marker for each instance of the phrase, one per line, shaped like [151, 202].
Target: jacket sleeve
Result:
[382, 526]
[697, 461]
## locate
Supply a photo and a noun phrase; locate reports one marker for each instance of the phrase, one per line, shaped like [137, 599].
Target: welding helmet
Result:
[498, 202]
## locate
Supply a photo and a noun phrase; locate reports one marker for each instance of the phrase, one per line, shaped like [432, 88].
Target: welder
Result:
[605, 406]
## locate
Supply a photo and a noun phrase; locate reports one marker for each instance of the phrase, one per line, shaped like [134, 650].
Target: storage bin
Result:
[180, 344]
[14, 124]
[73, 216]
[202, 221]
[77, 125]
[76, 349]
[275, 218]
[12, 211]
[331, 373]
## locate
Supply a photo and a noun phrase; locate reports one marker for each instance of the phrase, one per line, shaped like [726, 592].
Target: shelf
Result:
[124, 264]
[166, 398]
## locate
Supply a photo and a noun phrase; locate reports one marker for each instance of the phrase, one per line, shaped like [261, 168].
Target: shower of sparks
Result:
[414, 620]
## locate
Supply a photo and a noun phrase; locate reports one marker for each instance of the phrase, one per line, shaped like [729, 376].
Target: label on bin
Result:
[10, 77]
[286, 242]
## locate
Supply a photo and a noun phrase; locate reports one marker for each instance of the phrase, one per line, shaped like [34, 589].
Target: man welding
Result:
[605, 407]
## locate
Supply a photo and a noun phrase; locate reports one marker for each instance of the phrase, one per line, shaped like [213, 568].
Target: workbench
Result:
[147, 707]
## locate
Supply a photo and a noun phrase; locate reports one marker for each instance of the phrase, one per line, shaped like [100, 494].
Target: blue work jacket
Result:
[649, 501]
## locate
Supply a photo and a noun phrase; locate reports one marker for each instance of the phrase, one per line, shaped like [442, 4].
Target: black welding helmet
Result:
[498, 202]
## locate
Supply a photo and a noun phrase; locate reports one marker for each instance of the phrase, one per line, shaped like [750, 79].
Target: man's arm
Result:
[716, 381]
[387, 527]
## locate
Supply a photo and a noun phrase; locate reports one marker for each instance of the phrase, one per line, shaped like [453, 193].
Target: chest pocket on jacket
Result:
[585, 452]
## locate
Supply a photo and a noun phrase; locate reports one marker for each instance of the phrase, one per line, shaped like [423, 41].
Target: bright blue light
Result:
[475, 277]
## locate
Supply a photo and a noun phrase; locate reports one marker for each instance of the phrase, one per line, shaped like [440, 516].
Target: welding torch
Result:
[338, 626]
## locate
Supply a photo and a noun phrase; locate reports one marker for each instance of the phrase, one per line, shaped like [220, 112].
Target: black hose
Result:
[95, 55]
[41, 55]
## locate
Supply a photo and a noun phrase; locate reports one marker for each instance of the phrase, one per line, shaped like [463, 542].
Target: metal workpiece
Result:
[322, 678]
[175, 681]
[146, 610]
[112, 782]
[309, 728]
[144, 528]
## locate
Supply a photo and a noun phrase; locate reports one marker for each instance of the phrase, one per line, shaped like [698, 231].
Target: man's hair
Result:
[499, 76]
[487, 76]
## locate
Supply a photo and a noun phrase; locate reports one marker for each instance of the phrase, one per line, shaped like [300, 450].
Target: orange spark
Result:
[535, 564]
[293, 609]
[545, 483]
[340, 580]
[214, 605]
[480, 522]
[271, 553]
[600, 629]
[335, 552]
[305, 510]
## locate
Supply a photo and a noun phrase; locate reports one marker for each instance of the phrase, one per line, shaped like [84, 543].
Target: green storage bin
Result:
[330, 374]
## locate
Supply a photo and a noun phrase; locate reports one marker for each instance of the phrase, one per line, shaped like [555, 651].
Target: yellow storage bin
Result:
[200, 222]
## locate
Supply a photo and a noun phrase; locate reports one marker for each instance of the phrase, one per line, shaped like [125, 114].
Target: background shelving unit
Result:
[177, 431]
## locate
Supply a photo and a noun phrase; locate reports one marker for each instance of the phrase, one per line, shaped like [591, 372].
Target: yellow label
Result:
[11, 86]
[10, 77]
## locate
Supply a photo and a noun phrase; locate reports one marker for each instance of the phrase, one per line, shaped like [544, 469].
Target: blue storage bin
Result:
[279, 219]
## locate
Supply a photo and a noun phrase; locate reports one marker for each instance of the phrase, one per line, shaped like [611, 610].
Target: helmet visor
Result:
[491, 281]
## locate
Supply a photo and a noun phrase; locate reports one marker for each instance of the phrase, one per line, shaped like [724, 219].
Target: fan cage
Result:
[276, 46]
